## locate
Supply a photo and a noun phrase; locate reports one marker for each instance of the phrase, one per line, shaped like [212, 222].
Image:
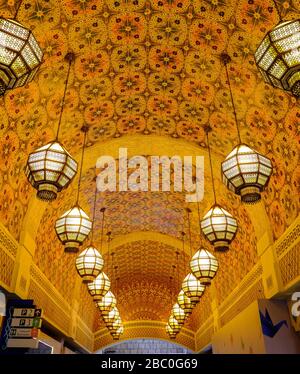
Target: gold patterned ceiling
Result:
[147, 68]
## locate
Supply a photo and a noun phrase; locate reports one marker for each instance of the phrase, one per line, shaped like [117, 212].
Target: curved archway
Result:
[145, 346]
[143, 330]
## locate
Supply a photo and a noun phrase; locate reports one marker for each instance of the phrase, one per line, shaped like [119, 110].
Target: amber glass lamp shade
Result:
[99, 286]
[174, 324]
[20, 55]
[115, 325]
[185, 302]
[112, 316]
[116, 334]
[89, 264]
[170, 332]
[219, 227]
[204, 266]
[179, 314]
[278, 56]
[72, 228]
[193, 289]
[50, 169]
[107, 303]
[246, 173]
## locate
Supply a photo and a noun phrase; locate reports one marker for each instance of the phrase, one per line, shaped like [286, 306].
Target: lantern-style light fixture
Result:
[204, 266]
[179, 313]
[244, 171]
[20, 54]
[116, 334]
[115, 325]
[193, 288]
[99, 286]
[170, 332]
[218, 225]
[174, 324]
[74, 226]
[107, 303]
[185, 302]
[51, 168]
[90, 263]
[112, 316]
[278, 55]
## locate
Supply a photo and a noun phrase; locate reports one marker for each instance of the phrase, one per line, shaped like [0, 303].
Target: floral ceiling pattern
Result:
[149, 67]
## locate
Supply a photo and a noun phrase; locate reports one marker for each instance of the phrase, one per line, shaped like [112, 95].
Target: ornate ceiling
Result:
[149, 67]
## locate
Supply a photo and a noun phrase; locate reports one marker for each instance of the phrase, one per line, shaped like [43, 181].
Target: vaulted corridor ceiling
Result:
[148, 71]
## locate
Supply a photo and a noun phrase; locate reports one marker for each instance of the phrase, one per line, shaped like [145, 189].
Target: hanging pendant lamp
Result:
[115, 325]
[204, 266]
[244, 171]
[99, 287]
[90, 263]
[191, 286]
[20, 54]
[116, 334]
[218, 226]
[112, 316]
[179, 313]
[74, 226]
[174, 324]
[278, 56]
[51, 168]
[183, 300]
[170, 332]
[107, 303]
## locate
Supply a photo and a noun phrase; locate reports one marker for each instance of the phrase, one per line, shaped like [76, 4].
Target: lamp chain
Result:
[207, 130]
[199, 221]
[108, 247]
[85, 130]
[94, 213]
[232, 101]
[277, 10]
[17, 9]
[70, 59]
[190, 236]
[177, 261]
[102, 210]
[183, 235]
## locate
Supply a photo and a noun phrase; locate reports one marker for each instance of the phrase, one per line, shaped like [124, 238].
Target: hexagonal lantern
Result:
[185, 302]
[219, 227]
[204, 266]
[246, 173]
[20, 55]
[170, 332]
[50, 169]
[89, 264]
[278, 56]
[99, 287]
[72, 228]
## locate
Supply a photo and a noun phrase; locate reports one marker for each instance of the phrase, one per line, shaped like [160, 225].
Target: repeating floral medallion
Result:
[149, 67]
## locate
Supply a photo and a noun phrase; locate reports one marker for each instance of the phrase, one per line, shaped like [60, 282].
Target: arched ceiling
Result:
[143, 68]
